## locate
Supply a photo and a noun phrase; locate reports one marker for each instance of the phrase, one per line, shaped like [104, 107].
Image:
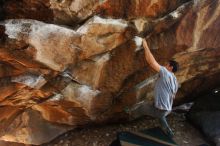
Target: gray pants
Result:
[145, 108]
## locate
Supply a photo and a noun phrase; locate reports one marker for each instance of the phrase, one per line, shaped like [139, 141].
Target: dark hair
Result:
[174, 64]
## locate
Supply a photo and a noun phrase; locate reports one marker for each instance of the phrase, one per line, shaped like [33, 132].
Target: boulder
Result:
[205, 115]
[71, 63]
[47, 41]
[30, 127]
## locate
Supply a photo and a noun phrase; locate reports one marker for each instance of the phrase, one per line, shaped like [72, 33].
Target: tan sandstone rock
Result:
[54, 78]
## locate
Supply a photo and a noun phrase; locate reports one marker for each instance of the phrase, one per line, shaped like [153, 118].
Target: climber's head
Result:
[172, 66]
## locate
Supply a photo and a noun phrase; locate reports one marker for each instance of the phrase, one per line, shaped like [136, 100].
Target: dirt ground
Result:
[185, 133]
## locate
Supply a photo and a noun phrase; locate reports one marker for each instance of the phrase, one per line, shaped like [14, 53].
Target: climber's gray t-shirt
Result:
[165, 89]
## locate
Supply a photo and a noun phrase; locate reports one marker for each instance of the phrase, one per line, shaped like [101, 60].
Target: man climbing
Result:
[164, 91]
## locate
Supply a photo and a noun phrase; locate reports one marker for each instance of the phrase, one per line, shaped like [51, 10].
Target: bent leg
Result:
[165, 126]
[163, 122]
[142, 109]
[148, 109]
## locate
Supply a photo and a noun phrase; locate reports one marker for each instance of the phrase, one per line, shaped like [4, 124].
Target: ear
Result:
[171, 68]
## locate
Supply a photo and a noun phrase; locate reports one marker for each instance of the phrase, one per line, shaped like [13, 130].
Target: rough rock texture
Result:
[205, 114]
[55, 77]
[29, 9]
[132, 9]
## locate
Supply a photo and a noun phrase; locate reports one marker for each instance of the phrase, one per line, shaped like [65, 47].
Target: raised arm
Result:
[150, 58]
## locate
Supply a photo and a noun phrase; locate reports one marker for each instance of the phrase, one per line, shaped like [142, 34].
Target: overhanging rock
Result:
[86, 71]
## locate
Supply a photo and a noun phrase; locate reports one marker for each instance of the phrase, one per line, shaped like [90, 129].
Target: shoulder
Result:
[163, 71]
[163, 68]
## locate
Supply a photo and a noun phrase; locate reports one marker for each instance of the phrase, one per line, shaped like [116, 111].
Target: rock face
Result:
[69, 63]
[205, 114]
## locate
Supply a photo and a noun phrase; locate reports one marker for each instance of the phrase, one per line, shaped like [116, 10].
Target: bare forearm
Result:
[149, 57]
